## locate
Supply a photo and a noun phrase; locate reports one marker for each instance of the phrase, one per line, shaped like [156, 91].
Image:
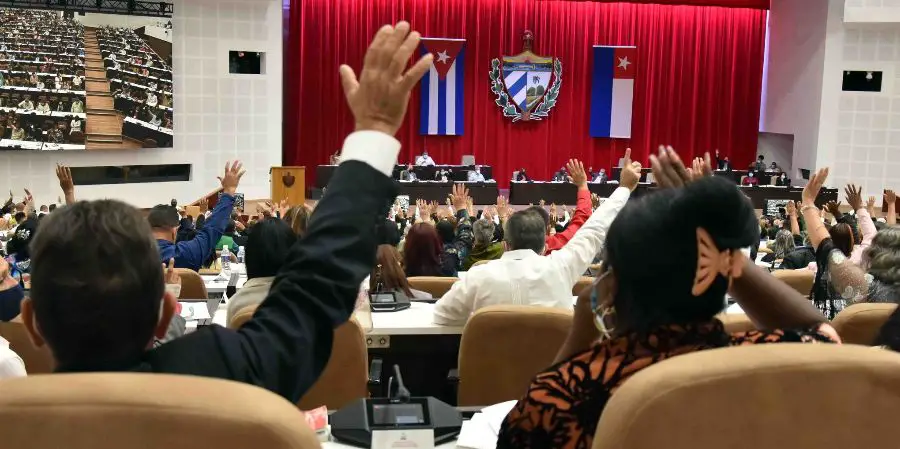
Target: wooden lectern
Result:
[289, 183]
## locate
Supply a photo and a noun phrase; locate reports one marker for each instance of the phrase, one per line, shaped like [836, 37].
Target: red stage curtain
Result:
[698, 87]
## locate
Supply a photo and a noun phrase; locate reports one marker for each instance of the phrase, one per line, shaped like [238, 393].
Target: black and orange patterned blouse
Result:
[564, 403]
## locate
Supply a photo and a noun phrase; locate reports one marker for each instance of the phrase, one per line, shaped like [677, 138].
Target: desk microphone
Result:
[356, 422]
[403, 394]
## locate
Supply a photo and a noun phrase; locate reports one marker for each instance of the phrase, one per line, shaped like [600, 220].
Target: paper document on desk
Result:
[482, 430]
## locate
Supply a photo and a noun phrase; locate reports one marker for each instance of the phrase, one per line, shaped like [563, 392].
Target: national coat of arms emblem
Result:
[526, 85]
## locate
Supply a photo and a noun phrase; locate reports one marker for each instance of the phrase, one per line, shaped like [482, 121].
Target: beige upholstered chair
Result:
[437, 286]
[504, 346]
[192, 285]
[37, 360]
[91, 411]
[800, 280]
[788, 395]
[346, 376]
[860, 323]
[583, 283]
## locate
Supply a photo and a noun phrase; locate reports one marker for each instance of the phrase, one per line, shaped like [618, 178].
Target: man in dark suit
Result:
[98, 302]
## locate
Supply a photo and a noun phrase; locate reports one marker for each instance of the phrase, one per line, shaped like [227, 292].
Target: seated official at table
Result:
[476, 175]
[650, 309]
[424, 160]
[521, 176]
[560, 176]
[522, 275]
[408, 174]
[750, 179]
[43, 106]
[191, 254]
[443, 175]
[268, 244]
[601, 176]
[782, 180]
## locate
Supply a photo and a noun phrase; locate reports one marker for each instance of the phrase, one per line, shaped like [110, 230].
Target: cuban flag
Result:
[442, 88]
[612, 93]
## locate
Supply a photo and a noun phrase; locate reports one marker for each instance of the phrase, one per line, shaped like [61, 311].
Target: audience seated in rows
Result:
[105, 304]
[522, 275]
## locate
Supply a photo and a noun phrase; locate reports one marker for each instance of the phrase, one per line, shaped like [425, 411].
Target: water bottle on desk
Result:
[226, 260]
[240, 254]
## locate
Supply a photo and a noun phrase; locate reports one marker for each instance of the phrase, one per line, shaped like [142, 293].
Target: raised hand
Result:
[170, 275]
[811, 191]
[702, 166]
[595, 201]
[669, 170]
[870, 205]
[64, 175]
[790, 208]
[283, 207]
[502, 207]
[890, 197]
[542, 203]
[459, 197]
[854, 196]
[233, 173]
[577, 175]
[631, 172]
[378, 99]
[834, 208]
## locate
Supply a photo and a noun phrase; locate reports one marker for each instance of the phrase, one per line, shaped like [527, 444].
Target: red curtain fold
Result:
[758, 4]
[698, 86]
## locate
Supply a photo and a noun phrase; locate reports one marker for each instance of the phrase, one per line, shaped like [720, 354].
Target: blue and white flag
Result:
[442, 88]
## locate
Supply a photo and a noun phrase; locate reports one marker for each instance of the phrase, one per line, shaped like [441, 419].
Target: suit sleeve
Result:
[192, 253]
[582, 213]
[287, 343]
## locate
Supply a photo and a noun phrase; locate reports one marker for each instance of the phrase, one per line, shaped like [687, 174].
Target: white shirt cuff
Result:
[375, 148]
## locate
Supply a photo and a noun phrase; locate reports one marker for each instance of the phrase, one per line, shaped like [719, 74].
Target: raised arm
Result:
[863, 218]
[288, 342]
[582, 209]
[64, 175]
[815, 229]
[791, 209]
[192, 253]
[771, 303]
[576, 256]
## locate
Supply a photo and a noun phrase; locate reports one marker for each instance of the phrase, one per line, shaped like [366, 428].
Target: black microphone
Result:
[402, 393]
